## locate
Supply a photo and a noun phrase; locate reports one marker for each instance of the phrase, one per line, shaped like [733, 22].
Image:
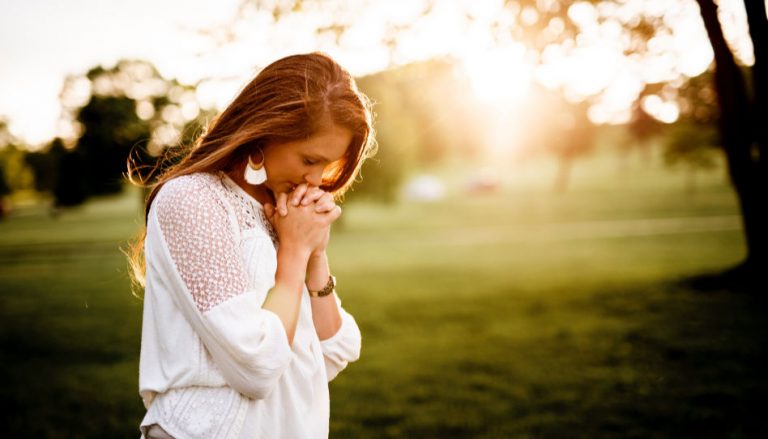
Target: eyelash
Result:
[309, 162]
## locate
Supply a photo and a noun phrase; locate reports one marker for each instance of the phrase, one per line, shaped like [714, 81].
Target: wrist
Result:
[317, 271]
[291, 266]
[294, 251]
[325, 290]
[317, 254]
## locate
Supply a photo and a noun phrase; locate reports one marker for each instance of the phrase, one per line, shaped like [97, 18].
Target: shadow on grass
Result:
[743, 278]
[658, 360]
[698, 360]
[62, 384]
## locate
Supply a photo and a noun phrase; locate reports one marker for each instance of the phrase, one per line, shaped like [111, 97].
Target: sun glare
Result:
[499, 75]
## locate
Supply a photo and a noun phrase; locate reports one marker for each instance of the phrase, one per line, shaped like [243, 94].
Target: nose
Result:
[315, 177]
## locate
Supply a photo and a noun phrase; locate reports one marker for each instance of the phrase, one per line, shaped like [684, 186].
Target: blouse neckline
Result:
[236, 187]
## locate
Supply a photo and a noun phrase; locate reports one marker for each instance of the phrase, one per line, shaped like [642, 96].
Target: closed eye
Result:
[309, 162]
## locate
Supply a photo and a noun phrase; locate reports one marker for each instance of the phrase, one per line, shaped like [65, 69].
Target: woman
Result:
[241, 335]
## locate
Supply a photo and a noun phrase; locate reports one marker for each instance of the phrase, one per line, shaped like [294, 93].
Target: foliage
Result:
[111, 128]
[72, 184]
[544, 28]
[45, 165]
[4, 188]
[417, 123]
[566, 130]
[15, 174]
[692, 140]
[18, 175]
[692, 145]
[128, 110]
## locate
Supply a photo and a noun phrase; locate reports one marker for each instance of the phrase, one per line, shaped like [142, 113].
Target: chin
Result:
[279, 187]
[268, 186]
[289, 187]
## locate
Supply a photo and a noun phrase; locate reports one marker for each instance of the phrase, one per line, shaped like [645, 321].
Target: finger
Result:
[313, 194]
[327, 201]
[282, 203]
[298, 193]
[326, 197]
[324, 206]
[334, 214]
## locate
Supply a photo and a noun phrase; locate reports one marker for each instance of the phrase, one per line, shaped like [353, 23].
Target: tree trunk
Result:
[736, 135]
[758, 30]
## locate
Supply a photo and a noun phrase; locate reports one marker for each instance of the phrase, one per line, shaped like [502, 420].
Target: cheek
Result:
[275, 166]
[283, 170]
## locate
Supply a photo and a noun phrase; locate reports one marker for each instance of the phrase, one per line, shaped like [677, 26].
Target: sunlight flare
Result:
[499, 75]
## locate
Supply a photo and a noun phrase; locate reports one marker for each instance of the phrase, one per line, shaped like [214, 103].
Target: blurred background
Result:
[563, 233]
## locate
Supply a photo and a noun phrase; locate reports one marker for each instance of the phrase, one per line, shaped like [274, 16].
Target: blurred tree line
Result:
[114, 113]
[130, 108]
[418, 124]
[740, 93]
[424, 113]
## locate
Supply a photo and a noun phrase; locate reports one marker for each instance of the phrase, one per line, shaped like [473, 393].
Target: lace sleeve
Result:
[201, 241]
[195, 259]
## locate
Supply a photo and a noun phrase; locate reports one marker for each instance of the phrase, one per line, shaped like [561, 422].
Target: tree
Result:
[4, 190]
[743, 135]
[693, 147]
[126, 111]
[12, 170]
[111, 128]
[417, 124]
[72, 183]
[45, 165]
[17, 174]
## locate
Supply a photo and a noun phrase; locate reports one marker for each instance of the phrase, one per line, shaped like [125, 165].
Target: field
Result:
[519, 313]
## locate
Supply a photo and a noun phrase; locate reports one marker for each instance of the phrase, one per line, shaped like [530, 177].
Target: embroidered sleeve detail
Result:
[200, 237]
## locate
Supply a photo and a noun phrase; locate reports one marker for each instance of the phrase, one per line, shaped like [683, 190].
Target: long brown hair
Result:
[290, 99]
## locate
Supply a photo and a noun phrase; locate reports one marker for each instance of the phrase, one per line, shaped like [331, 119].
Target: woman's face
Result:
[303, 161]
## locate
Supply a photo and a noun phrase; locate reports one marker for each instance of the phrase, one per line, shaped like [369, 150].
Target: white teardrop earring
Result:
[255, 173]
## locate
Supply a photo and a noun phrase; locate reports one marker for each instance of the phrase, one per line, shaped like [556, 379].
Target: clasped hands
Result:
[303, 218]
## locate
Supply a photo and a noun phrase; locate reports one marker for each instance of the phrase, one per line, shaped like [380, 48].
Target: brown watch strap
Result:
[327, 289]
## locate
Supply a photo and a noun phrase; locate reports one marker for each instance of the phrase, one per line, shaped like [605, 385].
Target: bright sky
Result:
[41, 41]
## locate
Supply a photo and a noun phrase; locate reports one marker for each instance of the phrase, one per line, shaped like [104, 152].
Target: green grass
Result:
[516, 314]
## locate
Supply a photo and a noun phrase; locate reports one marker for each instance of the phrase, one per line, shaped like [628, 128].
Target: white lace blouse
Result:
[213, 363]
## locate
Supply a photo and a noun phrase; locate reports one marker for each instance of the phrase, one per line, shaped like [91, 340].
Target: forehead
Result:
[330, 143]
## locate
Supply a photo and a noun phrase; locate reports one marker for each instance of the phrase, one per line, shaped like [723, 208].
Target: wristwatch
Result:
[327, 289]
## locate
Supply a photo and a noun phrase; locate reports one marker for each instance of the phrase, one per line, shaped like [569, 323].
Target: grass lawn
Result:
[515, 314]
